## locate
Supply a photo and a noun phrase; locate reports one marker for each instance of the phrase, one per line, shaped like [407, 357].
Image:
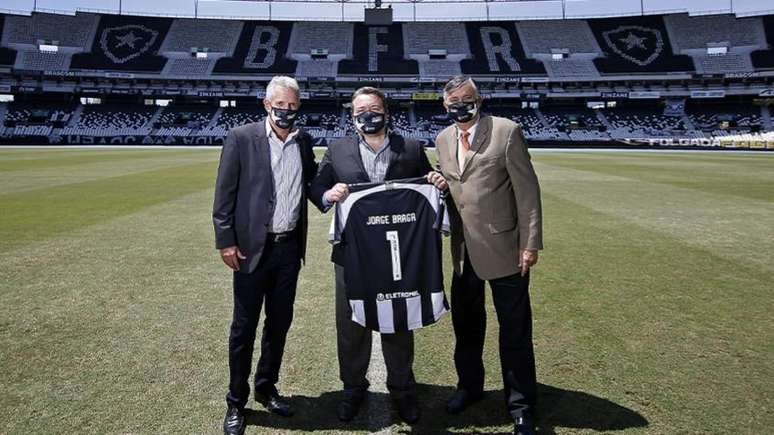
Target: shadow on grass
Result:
[558, 408]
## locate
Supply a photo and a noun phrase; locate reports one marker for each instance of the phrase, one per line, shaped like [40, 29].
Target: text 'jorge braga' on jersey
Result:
[390, 234]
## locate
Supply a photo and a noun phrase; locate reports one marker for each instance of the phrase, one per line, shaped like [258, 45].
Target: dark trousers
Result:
[354, 349]
[517, 358]
[273, 281]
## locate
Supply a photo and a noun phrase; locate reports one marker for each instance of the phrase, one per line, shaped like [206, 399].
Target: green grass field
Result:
[652, 302]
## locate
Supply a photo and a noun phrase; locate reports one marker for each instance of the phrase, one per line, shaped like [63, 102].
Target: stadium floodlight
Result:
[6, 98]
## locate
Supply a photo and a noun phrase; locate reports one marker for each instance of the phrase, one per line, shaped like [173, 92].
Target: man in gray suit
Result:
[496, 233]
[260, 219]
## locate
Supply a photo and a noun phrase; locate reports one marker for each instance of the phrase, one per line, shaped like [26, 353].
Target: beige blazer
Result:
[496, 198]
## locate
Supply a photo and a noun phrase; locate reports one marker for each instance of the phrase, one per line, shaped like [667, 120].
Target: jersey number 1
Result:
[392, 237]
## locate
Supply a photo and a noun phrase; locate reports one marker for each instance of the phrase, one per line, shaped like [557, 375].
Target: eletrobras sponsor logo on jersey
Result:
[396, 295]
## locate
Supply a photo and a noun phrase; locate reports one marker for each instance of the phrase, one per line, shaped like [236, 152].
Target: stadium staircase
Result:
[214, 120]
[75, 117]
[689, 126]
[155, 117]
[603, 120]
[542, 119]
[3, 111]
[766, 117]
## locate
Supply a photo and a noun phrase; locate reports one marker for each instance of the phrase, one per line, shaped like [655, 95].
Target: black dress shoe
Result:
[274, 403]
[408, 408]
[524, 426]
[461, 400]
[234, 423]
[350, 405]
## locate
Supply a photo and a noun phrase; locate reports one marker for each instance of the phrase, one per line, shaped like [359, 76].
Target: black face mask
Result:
[283, 118]
[462, 111]
[370, 122]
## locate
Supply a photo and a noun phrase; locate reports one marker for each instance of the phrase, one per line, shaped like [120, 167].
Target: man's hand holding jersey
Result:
[337, 193]
[437, 180]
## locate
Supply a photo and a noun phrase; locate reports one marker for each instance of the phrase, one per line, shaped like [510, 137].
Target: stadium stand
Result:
[437, 47]
[41, 61]
[217, 36]
[262, 48]
[25, 33]
[44, 113]
[630, 123]
[764, 59]
[497, 49]
[381, 52]
[740, 36]
[689, 33]
[318, 47]
[636, 45]
[125, 43]
[541, 37]
[572, 40]
[7, 55]
[724, 119]
[112, 120]
[533, 123]
[188, 67]
[28, 30]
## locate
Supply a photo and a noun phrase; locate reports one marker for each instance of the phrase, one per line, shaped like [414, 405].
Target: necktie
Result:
[465, 147]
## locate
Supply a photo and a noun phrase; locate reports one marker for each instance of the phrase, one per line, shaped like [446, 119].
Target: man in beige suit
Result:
[496, 232]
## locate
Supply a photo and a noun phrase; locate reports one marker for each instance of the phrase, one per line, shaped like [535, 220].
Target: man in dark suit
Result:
[374, 154]
[260, 219]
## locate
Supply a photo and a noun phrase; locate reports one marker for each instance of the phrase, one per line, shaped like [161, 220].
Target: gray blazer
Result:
[244, 191]
[496, 206]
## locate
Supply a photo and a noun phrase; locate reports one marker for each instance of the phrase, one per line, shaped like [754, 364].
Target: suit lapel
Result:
[482, 136]
[355, 145]
[397, 145]
[452, 146]
[263, 150]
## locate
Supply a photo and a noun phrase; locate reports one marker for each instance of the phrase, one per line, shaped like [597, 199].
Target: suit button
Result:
[462, 206]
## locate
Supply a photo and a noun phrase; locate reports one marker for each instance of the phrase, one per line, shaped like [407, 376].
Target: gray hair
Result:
[457, 82]
[282, 82]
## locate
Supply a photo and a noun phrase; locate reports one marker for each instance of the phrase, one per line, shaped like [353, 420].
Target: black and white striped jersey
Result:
[391, 238]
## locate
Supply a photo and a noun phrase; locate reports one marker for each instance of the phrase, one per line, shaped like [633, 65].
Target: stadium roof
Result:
[404, 10]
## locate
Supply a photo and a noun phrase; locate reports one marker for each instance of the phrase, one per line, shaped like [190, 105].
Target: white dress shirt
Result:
[287, 171]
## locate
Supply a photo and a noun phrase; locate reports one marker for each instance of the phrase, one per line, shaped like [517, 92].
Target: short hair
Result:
[368, 90]
[282, 82]
[457, 82]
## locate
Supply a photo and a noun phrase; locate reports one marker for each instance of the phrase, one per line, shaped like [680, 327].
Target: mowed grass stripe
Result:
[731, 226]
[45, 159]
[32, 216]
[45, 176]
[133, 312]
[744, 176]
[633, 315]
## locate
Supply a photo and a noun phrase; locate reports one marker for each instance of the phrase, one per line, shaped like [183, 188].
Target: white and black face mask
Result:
[462, 111]
[370, 122]
[283, 118]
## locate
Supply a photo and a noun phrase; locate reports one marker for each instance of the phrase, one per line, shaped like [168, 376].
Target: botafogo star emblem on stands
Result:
[124, 43]
[637, 44]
